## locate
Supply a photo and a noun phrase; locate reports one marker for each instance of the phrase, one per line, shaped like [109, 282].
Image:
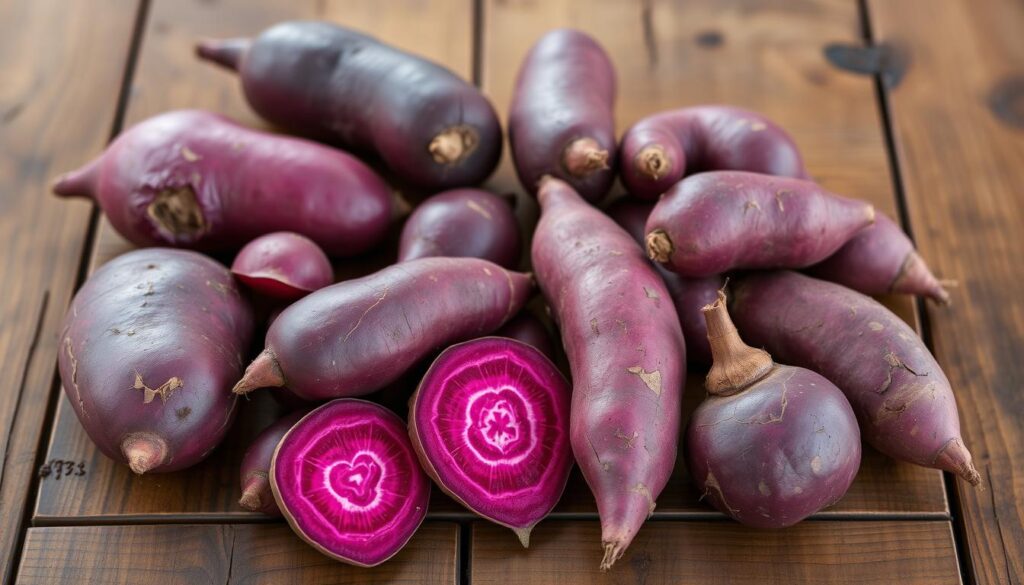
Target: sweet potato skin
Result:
[358, 336]
[150, 347]
[565, 91]
[156, 176]
[902, 399]
[661, 149]
[338, 84]
[719, 221]
[528, 329]
[625, 347]
[255, 470]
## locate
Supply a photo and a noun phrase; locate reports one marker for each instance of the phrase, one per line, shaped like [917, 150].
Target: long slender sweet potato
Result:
[428, 125]
[626, 352]
[561, 121]
[715, 222]
[661, 149]
[881, 259]
[902, 399]
[360, 335]
[194, 179]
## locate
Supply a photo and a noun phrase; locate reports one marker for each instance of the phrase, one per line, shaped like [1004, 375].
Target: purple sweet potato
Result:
[661, 149]
[627, 356]
[689, 295]
[428, 125]
[197, 180]
[771, 444]
[902, 399]
[490, 423]
[360, 335]
[880, 260]
[528, 329]
[726, 220]
[149, 349]
[462, 223]
[347, 480]
[561, 121]
[283, 265]
[255, 472]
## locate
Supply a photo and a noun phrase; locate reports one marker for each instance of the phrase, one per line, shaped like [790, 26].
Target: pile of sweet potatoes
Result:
[722, 240]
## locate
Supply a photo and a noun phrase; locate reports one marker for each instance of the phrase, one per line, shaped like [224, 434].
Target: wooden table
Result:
[916, 105]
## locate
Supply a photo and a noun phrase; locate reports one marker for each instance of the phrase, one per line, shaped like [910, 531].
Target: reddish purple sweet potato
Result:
[726, 220]
[528, 329]
[771, 444]
[197, 180]
[149, 348]
[283, 265]
[462, 223]
[255, 472]
[901, 396]
[561, 121]
[689, 295]
[627, 356]
[880, 260]
[360, 335]
[428, 125]
[661, 149]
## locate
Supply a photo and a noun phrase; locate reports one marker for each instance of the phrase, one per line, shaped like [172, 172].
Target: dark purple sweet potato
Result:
[149, 349]
[360, 335]
[726, 220]
[561, 121]
[627, 356]
[689, 295]
[880, 260]
[428, 125]
[901, 396]
[283, 265]
[771, 444]
[255, 472]
[462, 223]
[661, 149]
[197, 180]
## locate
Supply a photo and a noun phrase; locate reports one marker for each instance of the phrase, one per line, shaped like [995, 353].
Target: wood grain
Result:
[910, 553]
[60, 71]
[194, 555]
[958, 126]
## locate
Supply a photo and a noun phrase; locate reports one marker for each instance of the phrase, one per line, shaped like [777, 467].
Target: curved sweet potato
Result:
[428, 125]
[661, 149]
[627, 356]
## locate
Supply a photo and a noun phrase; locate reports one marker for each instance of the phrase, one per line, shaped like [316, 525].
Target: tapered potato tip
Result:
[144, 451]
[659, 246]
[584, 156]
[227, 53]
[955, 458]
[256, 489]
[263, 372]
[524, 535]
[77, 183]
[613, 551]
[735, 365]
[916, 279]
[652, 162]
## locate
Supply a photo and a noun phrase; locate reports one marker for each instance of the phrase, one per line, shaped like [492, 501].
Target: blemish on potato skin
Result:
[594, 327]
[183, 412]
[651, 379]
[816, 464]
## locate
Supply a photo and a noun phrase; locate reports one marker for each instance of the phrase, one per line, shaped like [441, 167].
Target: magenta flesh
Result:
[527, 328]
[347, 480]
[255, 472]
[771, 444]
[149, 349]
[561, 121]
[429, 126]
[661, 149]
[902, 399]
[719, 221]
[194, 179]
[462, 223]
[689, 295]
[626, 352]
[360, 335]
[283, 265]
[490, 424]
[880, 260]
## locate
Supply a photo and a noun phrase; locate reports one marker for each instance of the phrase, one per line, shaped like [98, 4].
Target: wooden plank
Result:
[958, 126]
[168, 77]
[192, 555]
[910, 553]
[758, 54]
[61, 66]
